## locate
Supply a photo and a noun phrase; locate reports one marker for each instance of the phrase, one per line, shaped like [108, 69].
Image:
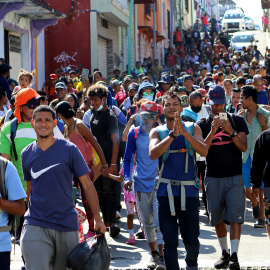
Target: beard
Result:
[44, 137]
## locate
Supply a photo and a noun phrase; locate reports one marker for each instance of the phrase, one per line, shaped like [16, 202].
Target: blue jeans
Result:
[188, 221]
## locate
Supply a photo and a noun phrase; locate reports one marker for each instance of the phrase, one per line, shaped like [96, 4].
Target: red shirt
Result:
[171, 59]
[182, 51]
[177, 36]
[204, 20]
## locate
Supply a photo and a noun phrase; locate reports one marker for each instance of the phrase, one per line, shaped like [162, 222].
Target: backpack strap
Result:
[3, 166]
[13, 129]
[163, 133]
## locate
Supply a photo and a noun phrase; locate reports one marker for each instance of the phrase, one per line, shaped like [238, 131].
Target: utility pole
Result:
[154, 29]
[129, 35]
[180, 14]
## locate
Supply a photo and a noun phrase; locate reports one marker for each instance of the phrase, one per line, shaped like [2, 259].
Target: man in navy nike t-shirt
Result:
[51, 225]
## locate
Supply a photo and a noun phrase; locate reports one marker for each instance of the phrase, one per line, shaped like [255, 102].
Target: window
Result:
[104, 23]
[186, 4]
[147, 9]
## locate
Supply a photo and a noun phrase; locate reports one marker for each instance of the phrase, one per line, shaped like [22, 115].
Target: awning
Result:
[31, 9]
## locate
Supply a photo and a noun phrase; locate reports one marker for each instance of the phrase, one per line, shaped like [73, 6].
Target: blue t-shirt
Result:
[146, 168]
[15, 192]
[262, 97]
[51, 175]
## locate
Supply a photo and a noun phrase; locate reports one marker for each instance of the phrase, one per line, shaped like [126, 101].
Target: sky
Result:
[252, 8]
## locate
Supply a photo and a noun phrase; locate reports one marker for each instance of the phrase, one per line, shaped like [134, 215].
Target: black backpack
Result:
[13, 221]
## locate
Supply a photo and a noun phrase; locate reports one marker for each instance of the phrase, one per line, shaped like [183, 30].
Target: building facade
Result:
[21, 35]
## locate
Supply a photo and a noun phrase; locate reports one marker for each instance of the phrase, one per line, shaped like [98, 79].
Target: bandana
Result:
[22, 98]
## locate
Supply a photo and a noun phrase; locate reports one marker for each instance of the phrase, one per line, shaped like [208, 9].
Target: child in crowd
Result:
[24, 79]
[130, 202]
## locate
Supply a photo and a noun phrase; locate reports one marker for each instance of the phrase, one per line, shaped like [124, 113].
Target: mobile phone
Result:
[85, 74]
[223, 116]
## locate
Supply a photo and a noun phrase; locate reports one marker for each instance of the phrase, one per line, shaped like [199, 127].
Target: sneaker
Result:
[117, 215]
[224, 260]
[234, 264]
[161, 264]
[256, 211]
[89, 235]
[131, 240]
[114, 231]
[153, 263]
[259, 223]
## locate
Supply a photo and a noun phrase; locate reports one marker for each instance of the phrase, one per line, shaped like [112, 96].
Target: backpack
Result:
[13, 129]
[13, 221]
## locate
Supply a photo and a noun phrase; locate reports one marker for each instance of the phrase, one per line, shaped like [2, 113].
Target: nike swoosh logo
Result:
[35, 175]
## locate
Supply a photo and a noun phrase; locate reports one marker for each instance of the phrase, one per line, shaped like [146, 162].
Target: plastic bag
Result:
[92, 254]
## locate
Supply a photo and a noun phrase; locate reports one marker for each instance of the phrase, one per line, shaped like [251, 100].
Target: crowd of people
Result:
[198, 122]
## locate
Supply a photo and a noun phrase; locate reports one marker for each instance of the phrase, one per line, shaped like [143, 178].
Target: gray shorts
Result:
[46, 249]
[226, 199]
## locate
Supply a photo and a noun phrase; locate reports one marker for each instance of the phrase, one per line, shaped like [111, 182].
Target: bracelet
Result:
[113, 164]
[106, 165]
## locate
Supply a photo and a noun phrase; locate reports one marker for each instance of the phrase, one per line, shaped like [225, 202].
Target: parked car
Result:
[257, 27]
[234, 20]
[250, 25]
[242, 39]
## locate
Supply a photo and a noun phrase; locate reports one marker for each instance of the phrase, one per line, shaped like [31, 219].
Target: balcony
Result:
[115, 11]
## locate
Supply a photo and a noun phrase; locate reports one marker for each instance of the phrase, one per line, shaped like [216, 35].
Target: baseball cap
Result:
[53, 76]
[188, 77]
[179, 80]
[60, 85]
[127, 79]
[115, 82]
[184, 101]
[202, 91]
[216, 67]
[134, 86]
[181, 89]
[197, 63]
[149, 107]
[4, 68]
[165, 79]
[216, 95]
[248, 81]
[188, 115]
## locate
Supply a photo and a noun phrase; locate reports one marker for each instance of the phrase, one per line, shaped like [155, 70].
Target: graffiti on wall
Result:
[66, 60]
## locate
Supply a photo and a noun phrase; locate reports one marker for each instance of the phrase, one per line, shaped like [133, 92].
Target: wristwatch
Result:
[234, 134]
[172, 135]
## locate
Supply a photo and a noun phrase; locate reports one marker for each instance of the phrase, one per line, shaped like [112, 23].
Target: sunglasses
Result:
[146, 94]
[150, 116]
[33, 105]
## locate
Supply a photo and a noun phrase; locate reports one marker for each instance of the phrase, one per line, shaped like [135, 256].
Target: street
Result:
[254, 250]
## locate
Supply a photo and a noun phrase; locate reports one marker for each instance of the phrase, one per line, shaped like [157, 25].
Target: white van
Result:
[234, 20]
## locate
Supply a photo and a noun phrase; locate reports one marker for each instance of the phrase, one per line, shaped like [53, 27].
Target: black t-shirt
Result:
[103, 124]
[224, 159]
[188, 37]
[266, 80]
